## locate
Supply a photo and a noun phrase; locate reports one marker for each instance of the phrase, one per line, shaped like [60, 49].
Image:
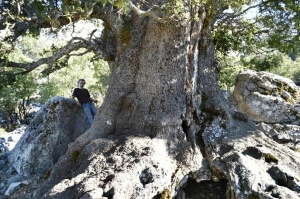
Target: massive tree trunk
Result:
[164, 120]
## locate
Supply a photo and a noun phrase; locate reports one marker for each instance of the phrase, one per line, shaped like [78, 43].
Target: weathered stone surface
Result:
[12, 187]
[238, 164]
[238, 161]
[285, 134]
[58, 123]
[128, 167]
[266, 97]
[143, 167]
[248, 162]
[95, 194]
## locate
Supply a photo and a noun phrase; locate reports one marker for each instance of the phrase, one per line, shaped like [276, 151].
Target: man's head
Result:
[81, 83]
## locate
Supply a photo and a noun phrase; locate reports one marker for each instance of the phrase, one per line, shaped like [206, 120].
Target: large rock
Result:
[237, 161]
[266, 97]
[57, 123]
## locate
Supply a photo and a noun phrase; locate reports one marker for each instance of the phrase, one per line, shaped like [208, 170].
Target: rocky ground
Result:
[8, 175]
[262, 164]
[10, 139]
[11, 181]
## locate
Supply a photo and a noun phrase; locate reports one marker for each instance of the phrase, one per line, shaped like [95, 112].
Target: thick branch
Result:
[107, 13]
[73, 45]
[148, 13]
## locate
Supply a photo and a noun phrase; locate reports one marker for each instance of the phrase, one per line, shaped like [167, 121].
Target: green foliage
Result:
[280, 22]
[121, 4]
[233, 36]
[175, 8]
[101, 75]
[62, 82]
[28, 49]
[275, 62]
[296, 76]
[8, 100]
[231, 66]
[23, 88]
[224, 40]
[289, 69]
[20, 88]
[263, 62]
[275, 26]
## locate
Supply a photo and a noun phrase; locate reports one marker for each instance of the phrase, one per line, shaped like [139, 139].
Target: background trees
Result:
[258, 36]
[274, 62]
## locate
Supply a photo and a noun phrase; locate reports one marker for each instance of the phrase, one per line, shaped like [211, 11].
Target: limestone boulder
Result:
[266, 97]
[46, 139]
[236, 161]
[285, 134]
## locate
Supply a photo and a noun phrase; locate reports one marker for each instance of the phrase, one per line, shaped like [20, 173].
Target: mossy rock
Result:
[47, 174]
[297, 149]
[75, 155]
[252, 196]
[270, 158]
[125, 36]
[177, 184]
[291, 101]
[166, 194]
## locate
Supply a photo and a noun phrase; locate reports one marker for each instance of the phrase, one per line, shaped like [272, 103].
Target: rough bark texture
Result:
[164, 121]
[144, 109]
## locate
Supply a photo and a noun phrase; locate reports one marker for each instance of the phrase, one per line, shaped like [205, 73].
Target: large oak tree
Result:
[163, 91]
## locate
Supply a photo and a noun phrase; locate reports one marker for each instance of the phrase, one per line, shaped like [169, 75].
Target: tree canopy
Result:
[275, 26]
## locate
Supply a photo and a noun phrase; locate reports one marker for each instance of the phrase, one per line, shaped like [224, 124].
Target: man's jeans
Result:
[90, 111]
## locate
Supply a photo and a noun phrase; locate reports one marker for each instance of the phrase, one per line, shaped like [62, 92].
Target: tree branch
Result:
[148, 13]
[73, 45]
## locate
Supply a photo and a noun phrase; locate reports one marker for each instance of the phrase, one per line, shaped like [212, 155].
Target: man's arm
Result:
[78, 103]
[93, 100]
[73, 97]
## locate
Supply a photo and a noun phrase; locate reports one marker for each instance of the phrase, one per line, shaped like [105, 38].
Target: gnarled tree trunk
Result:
[164, 120]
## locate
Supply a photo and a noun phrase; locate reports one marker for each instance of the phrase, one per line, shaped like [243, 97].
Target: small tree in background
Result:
[288, 68]
[231, 66]
[16, 98]
[275, 62]
[263, 62]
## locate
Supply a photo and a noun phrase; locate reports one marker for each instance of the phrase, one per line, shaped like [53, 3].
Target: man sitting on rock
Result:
[85, 101]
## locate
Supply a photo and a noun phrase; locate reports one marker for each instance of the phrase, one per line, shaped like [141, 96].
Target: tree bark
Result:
[163, 92]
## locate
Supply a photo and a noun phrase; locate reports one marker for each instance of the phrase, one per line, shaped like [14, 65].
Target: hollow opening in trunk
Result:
[205, 189]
